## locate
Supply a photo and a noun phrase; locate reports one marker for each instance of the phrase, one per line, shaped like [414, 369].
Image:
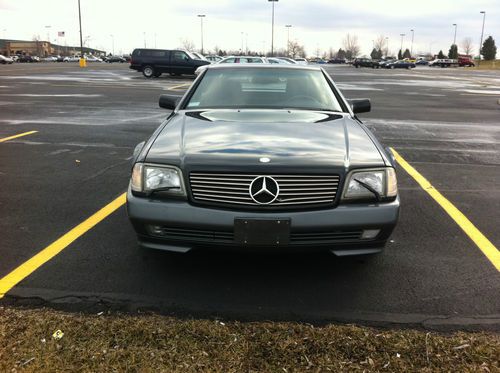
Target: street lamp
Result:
[482, 33]
[288, 40]
[113, 43]
[387, 42]
[402, 36]
[455, 37]
[411, 48]
[144, 34]
[201, 22]
[272, 28]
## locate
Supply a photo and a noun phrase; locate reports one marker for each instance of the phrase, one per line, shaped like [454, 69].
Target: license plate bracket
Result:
[262, 232]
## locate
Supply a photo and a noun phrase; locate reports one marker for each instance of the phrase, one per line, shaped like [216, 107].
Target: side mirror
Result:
[360, 105]
[137, 150]
[168, 102]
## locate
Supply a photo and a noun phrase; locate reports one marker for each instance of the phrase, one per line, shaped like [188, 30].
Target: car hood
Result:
[221, 139]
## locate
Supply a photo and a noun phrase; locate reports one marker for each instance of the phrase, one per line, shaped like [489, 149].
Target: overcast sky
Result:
[317, 24]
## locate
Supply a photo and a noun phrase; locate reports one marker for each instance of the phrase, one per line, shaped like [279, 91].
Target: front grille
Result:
[192, 234]
[233, 189]
[225, 237]
[325, 237]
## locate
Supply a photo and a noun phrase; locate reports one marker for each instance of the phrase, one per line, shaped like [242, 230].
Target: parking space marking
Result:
[485, 245]
[16, 136]
[31, 265]
[179, 86]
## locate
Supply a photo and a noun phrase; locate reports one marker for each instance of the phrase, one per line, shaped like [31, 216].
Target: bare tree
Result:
[381, 45]
[187, 44]
[467, 46]
[351, 46]
[296, 50]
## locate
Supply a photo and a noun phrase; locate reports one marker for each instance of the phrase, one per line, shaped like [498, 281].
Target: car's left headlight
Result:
[155, 178]
[376, 184]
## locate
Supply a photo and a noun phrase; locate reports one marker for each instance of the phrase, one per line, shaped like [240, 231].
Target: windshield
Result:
[264, 88]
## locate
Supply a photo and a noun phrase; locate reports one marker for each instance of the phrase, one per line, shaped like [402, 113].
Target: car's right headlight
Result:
[376, 184]
[148, 179]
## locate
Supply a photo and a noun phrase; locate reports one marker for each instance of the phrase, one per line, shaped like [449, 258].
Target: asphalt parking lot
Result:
[443, 122]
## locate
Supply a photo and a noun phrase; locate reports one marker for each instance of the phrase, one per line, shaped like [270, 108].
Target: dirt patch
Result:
[44, 340]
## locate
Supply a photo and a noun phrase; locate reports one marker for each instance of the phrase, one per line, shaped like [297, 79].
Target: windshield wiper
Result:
[151, 192]
[369, 188]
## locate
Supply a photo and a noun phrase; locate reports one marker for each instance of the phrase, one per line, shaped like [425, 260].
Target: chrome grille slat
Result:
[233, 189]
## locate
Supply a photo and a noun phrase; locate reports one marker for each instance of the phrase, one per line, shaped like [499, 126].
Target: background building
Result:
[42, 48]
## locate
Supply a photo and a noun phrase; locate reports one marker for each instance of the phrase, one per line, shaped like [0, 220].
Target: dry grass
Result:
[488, 65]
[153, 343]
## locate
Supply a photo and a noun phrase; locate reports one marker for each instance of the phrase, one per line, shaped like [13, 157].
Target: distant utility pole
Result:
[387, 41]
[272, 28]
[411, 48]
[201, 20]
[144, 33]
[82, 60]
[455, 37]
[288, 40]
[482, 34]
[402, 36]
[113, 43]
[155, 40]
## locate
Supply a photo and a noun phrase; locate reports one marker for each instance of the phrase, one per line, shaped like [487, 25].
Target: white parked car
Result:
[301, 61]
[214, 59]
[50, 59]
[71, 59]
[93, 59]
[235, 59]
[5, 60]
[198, 56]
[278, 61]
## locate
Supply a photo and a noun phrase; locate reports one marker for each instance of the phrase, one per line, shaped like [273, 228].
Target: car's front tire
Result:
[148, 71]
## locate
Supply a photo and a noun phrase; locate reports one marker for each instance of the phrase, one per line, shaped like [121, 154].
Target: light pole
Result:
[455, 37]
[387, 42]
[272, 28]
[48, 32]
[242, 42]
[155, 40]
[201, 16]
[482, 34]
[411, 48]
[113, 43]
[288, 39]
[402, 36]
[83, 63]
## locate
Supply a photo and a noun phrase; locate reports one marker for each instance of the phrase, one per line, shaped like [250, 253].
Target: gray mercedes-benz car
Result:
[263, 156]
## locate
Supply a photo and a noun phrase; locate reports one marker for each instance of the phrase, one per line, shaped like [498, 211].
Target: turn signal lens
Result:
[136, 180]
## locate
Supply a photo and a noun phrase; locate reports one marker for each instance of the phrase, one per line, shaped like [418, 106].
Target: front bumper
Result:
[188, 226]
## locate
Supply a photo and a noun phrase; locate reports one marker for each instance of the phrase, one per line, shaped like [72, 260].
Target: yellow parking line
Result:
[31, 265]
[179, 86]
[16, 136]
[485, 245]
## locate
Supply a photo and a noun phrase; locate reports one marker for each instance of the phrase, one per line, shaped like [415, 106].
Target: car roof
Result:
[262, 66]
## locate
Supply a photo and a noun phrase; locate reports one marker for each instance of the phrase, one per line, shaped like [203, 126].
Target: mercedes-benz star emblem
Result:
[264, 190]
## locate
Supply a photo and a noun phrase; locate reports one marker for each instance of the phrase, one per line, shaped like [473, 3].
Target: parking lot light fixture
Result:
[482, 34]
[455, 36]
[201, 16]
[272, 28]
[402, 36]
[387, 43]
[113, 43]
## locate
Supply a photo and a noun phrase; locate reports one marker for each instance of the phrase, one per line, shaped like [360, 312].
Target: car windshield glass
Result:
[264, 88]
